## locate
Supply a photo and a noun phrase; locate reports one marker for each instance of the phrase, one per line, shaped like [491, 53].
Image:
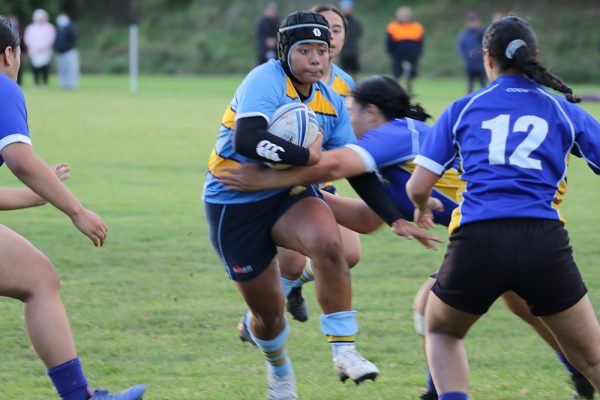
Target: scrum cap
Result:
[300, 27]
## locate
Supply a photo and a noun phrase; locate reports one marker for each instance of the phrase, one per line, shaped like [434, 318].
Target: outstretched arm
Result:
[334, 164]
[33, 171]
[354, 214]
[17, 198]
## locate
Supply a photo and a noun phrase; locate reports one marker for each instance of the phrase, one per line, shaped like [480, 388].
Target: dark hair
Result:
[8, 35]
[387, 94]
[513, 45]
[319, 8]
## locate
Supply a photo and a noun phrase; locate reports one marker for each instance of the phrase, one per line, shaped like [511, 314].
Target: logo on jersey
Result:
[238, 269]
[317, 32]
[269, 150]
[517, 90]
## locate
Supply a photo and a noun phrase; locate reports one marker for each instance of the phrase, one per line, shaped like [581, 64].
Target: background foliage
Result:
[217, 36]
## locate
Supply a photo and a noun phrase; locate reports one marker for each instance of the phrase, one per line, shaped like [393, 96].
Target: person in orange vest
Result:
[404, 44]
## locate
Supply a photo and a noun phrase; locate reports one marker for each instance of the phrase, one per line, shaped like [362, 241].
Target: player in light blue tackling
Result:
[25, 273]
[512, 140]
[245, 228]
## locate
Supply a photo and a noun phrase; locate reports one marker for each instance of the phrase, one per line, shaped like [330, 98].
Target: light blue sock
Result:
[340, 328]
[274, 350]
[288, 285]
[454, 396]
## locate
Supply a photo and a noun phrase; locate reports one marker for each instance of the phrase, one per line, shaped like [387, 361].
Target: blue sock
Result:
[288, 285]
[69, 380]
[454, 396]
[308, 274]
[274, 350]
[340, 328]
[430, 385]
[572, 370]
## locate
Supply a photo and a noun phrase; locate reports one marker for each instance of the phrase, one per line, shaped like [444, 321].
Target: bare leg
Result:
[445, 328]
[578, 334]
[27, 275]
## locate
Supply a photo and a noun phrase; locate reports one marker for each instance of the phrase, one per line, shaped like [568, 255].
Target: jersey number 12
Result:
[500, 128]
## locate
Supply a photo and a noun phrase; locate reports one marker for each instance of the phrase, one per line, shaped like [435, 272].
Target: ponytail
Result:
[513, 45]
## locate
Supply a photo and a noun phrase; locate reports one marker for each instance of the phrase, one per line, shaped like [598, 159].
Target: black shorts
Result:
[399, 64]
[241, 233]
[531, 257]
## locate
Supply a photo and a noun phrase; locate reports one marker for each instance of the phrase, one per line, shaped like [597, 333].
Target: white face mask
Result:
[62, 20]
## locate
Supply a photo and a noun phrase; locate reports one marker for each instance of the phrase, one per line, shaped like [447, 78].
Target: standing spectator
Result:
[39, 38]
[266, 33]
[67, 57]
[349, 57]
[16, 25]
[404, 42]
[469, 46]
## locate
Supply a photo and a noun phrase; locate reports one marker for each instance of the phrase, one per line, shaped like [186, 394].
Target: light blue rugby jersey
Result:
[513, 140]
[390, 150]
[340, 81]
[13, 114]
[265, 89]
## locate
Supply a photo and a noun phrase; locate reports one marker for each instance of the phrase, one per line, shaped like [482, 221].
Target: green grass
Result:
[154, 304]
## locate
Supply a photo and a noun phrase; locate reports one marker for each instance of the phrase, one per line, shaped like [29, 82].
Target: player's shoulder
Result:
[9, 88]
[270, 72]
[337, 71]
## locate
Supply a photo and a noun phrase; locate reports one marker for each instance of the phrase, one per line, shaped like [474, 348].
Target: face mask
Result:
[62, 20]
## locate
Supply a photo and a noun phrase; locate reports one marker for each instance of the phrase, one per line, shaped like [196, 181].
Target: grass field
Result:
[154, 304]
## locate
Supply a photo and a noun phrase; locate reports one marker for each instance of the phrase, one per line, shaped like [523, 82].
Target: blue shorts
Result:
[241, 233]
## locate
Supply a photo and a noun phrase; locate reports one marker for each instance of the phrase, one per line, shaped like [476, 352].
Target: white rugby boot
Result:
[349, 364]
[281, 387]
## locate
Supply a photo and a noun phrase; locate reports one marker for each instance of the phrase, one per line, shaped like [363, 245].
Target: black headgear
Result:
[300, 27]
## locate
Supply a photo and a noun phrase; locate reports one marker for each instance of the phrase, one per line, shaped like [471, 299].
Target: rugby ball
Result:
[295, 123]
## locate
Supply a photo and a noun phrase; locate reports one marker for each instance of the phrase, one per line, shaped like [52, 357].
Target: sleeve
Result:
[260, 94]
[13, 116]
[379, 150]
[370, 189]
[438, 151]
[587, 138]
[342, 132]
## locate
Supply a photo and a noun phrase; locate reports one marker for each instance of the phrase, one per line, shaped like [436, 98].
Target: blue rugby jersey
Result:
[13, 114]
[390, 149]
[340, 81]
[513, 140]
[265, 89]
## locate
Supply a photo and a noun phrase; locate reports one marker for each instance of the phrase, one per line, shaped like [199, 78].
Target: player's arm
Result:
[17, 198]
[334, 164]
[252, 140]
[26, 165]
[418, 189]
[354, 214]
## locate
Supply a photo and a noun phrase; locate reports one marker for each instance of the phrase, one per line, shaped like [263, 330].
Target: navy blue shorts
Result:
[531, 257]
[241, 233]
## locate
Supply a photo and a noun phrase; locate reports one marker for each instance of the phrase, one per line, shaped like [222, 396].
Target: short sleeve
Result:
[260, 93]
[587, 137]
[13, 114]
[438, 151]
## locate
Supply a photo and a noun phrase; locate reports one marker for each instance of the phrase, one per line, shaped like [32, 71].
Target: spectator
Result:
[39, 38]
[266, 33]
[404, 42]
[350, 55]
[67, 57]
[16, 25]
[469, 46]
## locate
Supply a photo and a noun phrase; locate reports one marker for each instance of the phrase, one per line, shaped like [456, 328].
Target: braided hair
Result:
[8, 36]
[513, 45]
[385, 93]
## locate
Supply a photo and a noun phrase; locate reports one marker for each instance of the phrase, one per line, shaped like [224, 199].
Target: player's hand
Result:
[314, 150]
[62, 171]
[423, 217]
[245, 177]
[91, 225]
[408, 231]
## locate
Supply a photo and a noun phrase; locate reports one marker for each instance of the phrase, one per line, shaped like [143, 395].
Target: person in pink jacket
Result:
[39, 38]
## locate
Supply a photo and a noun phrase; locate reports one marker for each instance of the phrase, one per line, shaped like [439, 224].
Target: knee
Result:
[326, 250]
[44, 279]
[352, 255]
[271, 317]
